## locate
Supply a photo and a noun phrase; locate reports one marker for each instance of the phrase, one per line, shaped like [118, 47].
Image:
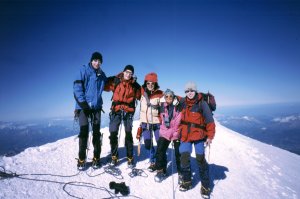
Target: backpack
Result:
[210, 100]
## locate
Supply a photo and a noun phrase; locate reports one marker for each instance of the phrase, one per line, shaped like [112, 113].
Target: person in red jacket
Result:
[197, 128]
[125, 93]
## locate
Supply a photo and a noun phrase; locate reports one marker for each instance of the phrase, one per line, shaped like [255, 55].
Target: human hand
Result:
[88, 112]
[208, 142]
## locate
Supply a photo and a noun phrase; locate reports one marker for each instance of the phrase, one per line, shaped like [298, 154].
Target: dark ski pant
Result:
[84, 133]
[185, 151]
[148, 131]
[161, 157]
[114, 124]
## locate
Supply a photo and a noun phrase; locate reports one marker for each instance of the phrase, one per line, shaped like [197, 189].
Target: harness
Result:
[191, 124]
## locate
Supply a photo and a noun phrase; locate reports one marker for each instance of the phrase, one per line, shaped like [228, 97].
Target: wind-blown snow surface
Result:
[240, 167]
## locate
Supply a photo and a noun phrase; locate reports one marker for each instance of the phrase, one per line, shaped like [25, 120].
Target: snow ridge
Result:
[240, 167]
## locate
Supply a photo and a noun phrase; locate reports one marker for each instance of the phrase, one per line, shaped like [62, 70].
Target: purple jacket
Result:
[170, 133]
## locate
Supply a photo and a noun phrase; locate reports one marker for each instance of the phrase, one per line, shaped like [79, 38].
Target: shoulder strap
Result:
[148, 101]
[117, 81]
[161, 107]
[147, 98]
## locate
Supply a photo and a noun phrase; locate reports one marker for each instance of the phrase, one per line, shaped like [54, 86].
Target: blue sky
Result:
[244, 52]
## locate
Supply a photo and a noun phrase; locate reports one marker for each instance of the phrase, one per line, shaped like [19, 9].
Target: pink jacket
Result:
[172, 132]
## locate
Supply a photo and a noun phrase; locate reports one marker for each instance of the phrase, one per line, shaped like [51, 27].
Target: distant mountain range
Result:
[17, 136]
[277, 124]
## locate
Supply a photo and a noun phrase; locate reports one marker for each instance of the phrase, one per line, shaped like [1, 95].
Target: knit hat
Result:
[151, 77]
[190, 86]
[96, 55]
[169, 92]
[129, 67]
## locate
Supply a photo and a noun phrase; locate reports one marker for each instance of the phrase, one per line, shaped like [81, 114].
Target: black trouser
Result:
[161, 157]
[84, 133]
[115, 120]
[203, 168]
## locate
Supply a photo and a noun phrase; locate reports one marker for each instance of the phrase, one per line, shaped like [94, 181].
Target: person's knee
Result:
[128, 136]
[96, 129]
[147, 144]
[84, 131]
[96, 136]
[185, 159]
[200, 159]
[113, 137]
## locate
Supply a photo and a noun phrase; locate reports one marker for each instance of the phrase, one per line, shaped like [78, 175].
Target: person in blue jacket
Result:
[88, 87]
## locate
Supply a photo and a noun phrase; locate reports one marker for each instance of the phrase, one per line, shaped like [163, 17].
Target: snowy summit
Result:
[240, 167]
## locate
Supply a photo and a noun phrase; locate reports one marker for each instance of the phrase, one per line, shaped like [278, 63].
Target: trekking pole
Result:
[151, 135]
[172, 165]
[208, 153]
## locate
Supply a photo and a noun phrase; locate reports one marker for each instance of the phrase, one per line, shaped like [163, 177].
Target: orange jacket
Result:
[197, 122]
[125, 93]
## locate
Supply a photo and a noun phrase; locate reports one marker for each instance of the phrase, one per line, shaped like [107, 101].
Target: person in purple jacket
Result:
[170, 117]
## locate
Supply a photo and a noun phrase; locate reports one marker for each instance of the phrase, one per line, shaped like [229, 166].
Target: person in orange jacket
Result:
[125, 93]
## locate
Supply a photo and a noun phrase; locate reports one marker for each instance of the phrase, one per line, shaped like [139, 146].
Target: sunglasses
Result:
[150, 83]
[168, 96]
[187, 91]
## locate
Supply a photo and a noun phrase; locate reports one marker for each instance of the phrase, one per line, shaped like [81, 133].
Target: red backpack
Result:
[210, 100]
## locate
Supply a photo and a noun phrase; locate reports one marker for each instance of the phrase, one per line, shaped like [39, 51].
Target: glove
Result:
[88, 112]
[139, 133]
[208, 142]
[86, 109]
[119, 188]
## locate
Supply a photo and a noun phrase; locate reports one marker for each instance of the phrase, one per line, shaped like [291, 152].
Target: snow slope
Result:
[240, 167]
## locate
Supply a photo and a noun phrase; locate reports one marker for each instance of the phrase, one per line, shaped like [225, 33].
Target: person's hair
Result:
[96, 55]
[169, 92]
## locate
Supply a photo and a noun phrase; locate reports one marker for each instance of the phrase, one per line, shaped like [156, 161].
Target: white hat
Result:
[190, 86]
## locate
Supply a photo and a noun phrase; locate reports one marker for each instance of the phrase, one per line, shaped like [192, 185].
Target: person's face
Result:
[190, 93]
[96, 63]
[169, 99]
[150, 86]
[127, 74]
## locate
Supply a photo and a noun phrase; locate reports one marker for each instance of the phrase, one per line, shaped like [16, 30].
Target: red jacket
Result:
[197, 122]
[124, 93]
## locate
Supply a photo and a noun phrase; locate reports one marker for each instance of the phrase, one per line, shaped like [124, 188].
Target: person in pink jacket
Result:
[170, 117]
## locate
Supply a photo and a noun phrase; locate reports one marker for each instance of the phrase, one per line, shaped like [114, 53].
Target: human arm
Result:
[209, 121]
[109, 84]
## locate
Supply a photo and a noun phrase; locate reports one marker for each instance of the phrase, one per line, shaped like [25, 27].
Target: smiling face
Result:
[190, 93]
[96, 63]
[169, 99]
[150, 85]
[127, 74]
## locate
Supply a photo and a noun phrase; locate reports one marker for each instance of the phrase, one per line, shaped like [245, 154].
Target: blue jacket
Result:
[88, 87]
